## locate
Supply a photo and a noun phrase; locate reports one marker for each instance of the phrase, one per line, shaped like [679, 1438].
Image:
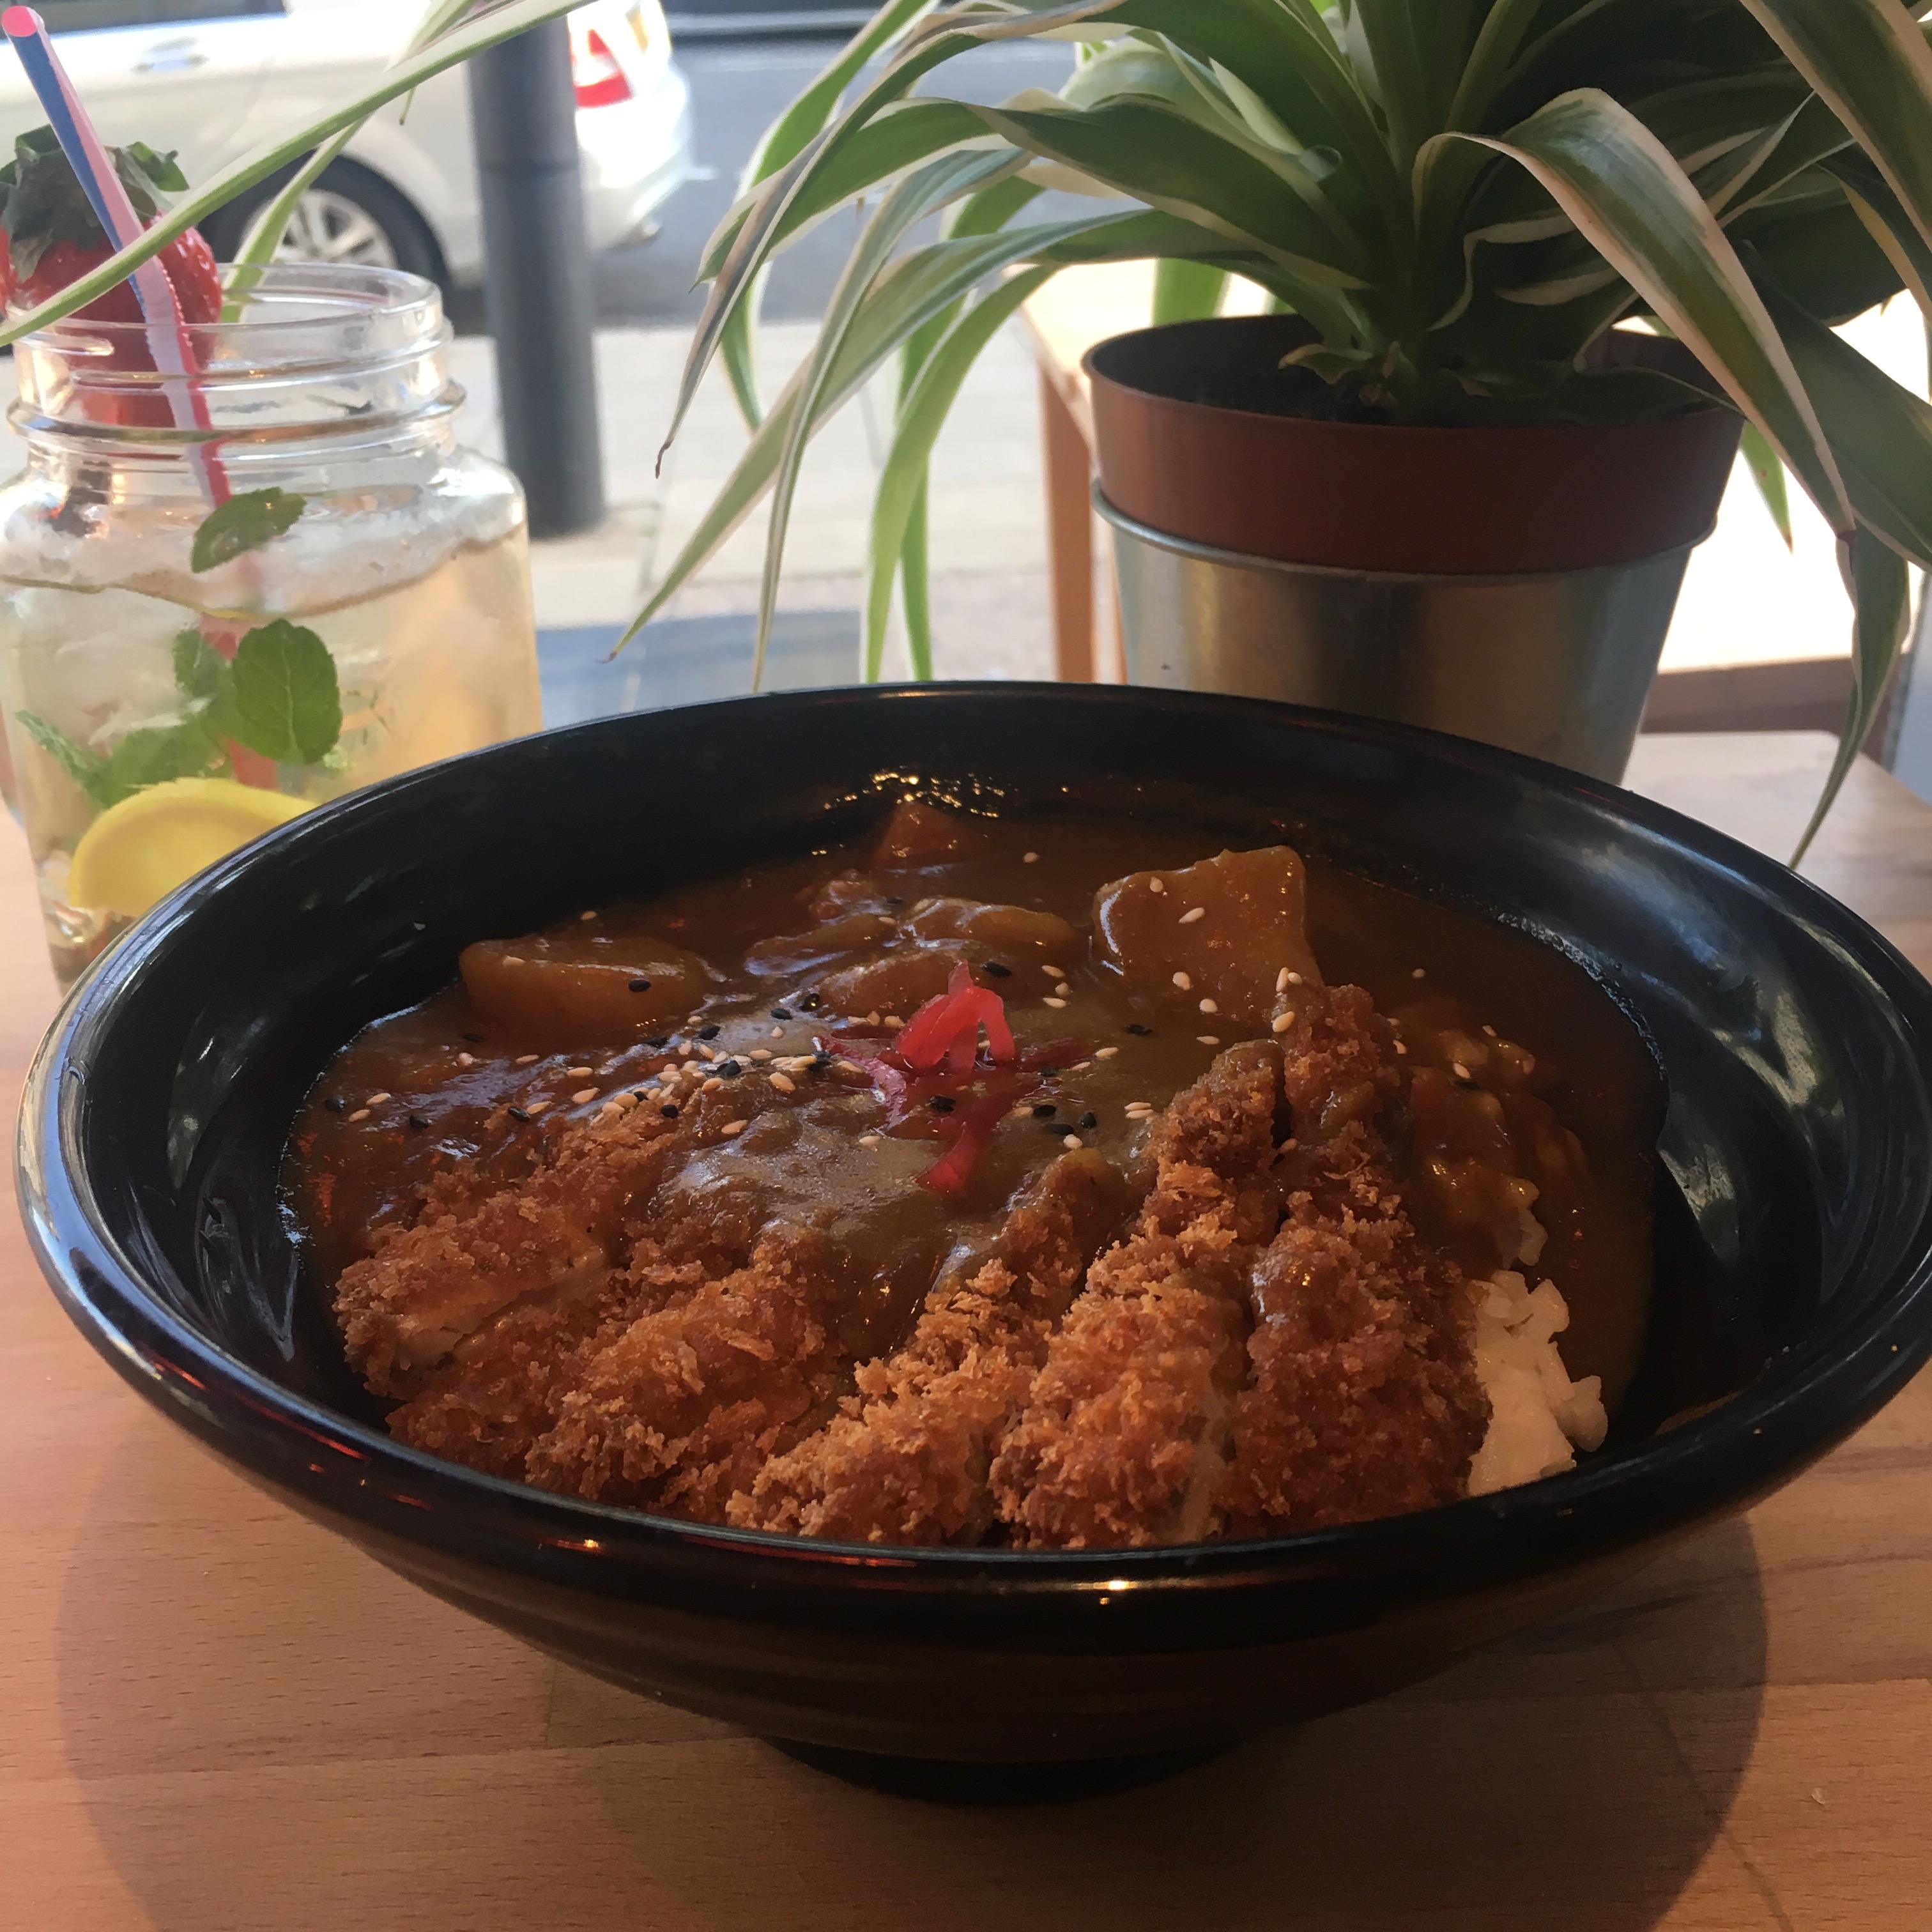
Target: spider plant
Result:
[1460, 196]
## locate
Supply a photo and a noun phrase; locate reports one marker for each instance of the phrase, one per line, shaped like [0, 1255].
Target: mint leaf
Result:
[288, 705]
[154, 755]
[200, 670]
[87, 769]
[244, 523]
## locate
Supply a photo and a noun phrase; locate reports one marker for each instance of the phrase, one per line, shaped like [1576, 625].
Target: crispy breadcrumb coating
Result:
[907, 1460]
[1363, 1400]
[1124, 1431]
[655, 1404]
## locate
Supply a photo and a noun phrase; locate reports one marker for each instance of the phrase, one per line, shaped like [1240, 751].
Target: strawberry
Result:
[49, 234]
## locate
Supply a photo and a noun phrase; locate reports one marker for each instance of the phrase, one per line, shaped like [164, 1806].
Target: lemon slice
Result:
[138, 851]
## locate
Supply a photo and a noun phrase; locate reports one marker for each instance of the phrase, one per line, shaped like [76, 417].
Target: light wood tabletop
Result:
[218, 1718]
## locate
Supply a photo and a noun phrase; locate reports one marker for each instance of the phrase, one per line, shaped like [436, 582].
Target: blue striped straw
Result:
[167, 338]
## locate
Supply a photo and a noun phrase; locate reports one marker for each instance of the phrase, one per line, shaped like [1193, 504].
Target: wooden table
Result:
[219, 1718]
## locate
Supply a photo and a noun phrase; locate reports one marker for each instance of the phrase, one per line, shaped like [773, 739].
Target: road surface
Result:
[738, 89]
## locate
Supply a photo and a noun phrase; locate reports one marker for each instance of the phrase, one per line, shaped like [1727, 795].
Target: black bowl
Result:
[1795, 1256]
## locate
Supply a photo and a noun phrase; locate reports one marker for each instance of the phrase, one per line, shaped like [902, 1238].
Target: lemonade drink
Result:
[164, 702]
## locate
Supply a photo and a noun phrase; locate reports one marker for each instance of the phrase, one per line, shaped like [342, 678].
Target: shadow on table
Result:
[331, 1748]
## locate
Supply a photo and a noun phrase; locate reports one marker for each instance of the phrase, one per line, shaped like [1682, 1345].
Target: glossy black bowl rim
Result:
[1805, 1402]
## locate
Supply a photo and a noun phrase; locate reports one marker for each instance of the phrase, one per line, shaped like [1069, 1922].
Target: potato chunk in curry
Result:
[555, 983]
[1225, 930]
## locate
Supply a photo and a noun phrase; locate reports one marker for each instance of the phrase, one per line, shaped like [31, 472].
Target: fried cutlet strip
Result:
[404, 1309]
[503, 1385]
[907, 1461]
[1123, 1435]
[1363, 1400]
[652, 1406]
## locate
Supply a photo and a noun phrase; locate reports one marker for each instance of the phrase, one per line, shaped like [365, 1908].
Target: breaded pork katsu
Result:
[947, 1192]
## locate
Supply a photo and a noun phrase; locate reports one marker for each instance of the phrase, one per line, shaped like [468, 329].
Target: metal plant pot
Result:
[1509, 583]
[1556, 663]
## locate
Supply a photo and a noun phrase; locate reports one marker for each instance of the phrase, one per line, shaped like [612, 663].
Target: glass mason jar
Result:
[157, 714]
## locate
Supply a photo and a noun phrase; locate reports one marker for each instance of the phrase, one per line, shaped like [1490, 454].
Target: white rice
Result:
[1539, 1418]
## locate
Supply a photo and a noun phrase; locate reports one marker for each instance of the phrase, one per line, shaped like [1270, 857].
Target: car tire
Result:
[350, 215]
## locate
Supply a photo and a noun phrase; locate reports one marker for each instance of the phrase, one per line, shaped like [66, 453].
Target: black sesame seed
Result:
[810, 1003]
[891, 900]
[640, 985]
[781, 1012]
[474, 1038]
[941, 1103]
[1135, 1026]
[418, 1119]
[729, 1069]
[1088, 1121]
[669, 1113]
[1048, 1072]
[336, 1104]
[1045, 1110]
[517, 1114]
[658, 1040]
[998, 971]
[708, 1033]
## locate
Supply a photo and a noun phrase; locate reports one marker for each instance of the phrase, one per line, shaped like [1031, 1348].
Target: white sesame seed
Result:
[536, 1106]
[586, 915]
[1105, 1052]
[360, 1114]
[466, 1060]
[376, 1099]
[1208, 1038]
[582, 1096]
[1419, 973]
[1029, 858]
[526, 1059]
[783, 1084]
[1461, 1071]
[761, 1053]
[731, 1127]
[1054, 972]
[1283, 1021]
[1210, 1005]
[1053, 1003]
[1082, 1066]
[872, 1018]
[711, 1085]
[893, 1022]
[579, 1073]
[1062, 989]
[624, 1102]
[1294, 979]
[1491, 1031]
[1192, 913]
[1182, 980]
[847, 1066]
[512, 959]
[610, 1110]
[778, 1032]
[1281, 981]
[868, 1140]
[1156, 885]
[1072, 1141]
[684, 1050]
[1399, 1048]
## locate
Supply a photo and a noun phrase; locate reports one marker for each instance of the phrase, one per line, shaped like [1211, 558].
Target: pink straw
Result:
[168, 339]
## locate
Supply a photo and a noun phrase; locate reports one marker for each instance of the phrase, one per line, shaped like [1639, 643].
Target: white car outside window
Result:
[212, 78]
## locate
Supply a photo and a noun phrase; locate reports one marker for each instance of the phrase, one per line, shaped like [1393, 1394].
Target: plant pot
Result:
[1511, 585]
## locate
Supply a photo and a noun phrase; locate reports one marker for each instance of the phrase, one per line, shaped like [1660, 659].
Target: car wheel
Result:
[348, 215]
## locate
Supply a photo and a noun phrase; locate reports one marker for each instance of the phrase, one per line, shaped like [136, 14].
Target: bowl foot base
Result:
[944, 1781]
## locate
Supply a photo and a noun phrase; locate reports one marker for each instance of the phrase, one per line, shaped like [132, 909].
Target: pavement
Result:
[989, 582]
